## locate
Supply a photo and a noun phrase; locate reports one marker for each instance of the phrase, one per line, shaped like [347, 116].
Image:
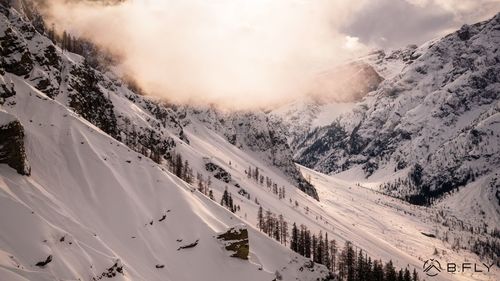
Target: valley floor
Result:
[392, 229]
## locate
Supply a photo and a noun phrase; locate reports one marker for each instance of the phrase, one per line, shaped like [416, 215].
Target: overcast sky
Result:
[397, 23]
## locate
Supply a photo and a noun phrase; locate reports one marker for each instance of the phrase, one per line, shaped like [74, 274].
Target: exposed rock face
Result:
[218, 172]
[12, 150]
[71, 81]
[6, 90]
[252, 131]
[236, 240]
[88, 100]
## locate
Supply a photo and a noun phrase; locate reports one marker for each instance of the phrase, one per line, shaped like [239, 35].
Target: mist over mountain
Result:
[385, 161]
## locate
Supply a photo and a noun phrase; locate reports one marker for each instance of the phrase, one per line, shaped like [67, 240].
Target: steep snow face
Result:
[98, 209]
[428, 130]
[94, 207]
[335, 92]
[300, 117]
[254, 132]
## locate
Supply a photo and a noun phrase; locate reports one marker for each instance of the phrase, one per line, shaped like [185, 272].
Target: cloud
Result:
[242, 53]
[396, 23]
[231, 52]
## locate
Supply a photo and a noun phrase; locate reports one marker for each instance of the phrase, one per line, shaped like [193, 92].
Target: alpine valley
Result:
[398, 162]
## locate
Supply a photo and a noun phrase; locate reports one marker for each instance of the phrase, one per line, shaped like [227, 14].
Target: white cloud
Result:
[236, 52]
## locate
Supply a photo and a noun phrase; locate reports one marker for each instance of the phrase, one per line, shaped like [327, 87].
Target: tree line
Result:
[348, 263]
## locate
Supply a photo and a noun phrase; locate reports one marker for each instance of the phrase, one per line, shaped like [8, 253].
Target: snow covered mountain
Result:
[335, 92]
[99, 201]
[427, 130]
[98, 182]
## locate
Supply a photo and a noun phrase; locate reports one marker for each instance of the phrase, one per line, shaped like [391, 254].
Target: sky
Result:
[242, 53]
[396, 23]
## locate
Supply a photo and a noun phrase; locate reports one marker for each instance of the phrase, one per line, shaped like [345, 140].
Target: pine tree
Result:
[225, 199]
[400, 275]
[314, 246]
[326, 252]
[360, 267]
[260, 219]
[178, 165]
[64, 40]
[378, 272]
[319, 250]
[302, 243]
[307, 243]
[277, 230]
[284, 233]
[415, 275]
[333, 254]
[294, 238]
[230, 203]
[369, 269]
[390, 272]
[407, 275]
[268, 223]
[350, 261]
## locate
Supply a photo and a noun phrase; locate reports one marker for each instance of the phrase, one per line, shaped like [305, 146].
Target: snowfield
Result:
[91, 202]
[96, 205]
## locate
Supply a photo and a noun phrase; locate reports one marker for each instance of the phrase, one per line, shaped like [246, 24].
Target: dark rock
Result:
[45, 262]
[191, 245]
[218, 172]
[12, 150]
[464, 33]
[236, 240]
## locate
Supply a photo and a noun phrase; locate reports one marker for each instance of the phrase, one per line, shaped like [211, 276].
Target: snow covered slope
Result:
[101, 199]
[334, 92]
[428, 130]
[91, 203]
[94, 207]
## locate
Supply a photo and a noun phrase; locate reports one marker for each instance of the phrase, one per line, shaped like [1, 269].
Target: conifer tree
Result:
[260, 218]
[294, 238]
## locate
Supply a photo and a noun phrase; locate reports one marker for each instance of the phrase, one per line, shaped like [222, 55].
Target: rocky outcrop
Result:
[6, 90]
[12, 150]
[218, 172]
[87, 99]
[235, 240]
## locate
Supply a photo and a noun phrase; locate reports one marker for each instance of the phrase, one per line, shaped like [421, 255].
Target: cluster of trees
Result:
[487, 249]
[179, 168]
[480, 239]
[145, 141]
[270, 184]
[204, 185]
[254, 174]
[320, 250]
[227, 201]
[358, 266]
[348, 263]
[274, 226]
[66, 41]
[425, 189]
